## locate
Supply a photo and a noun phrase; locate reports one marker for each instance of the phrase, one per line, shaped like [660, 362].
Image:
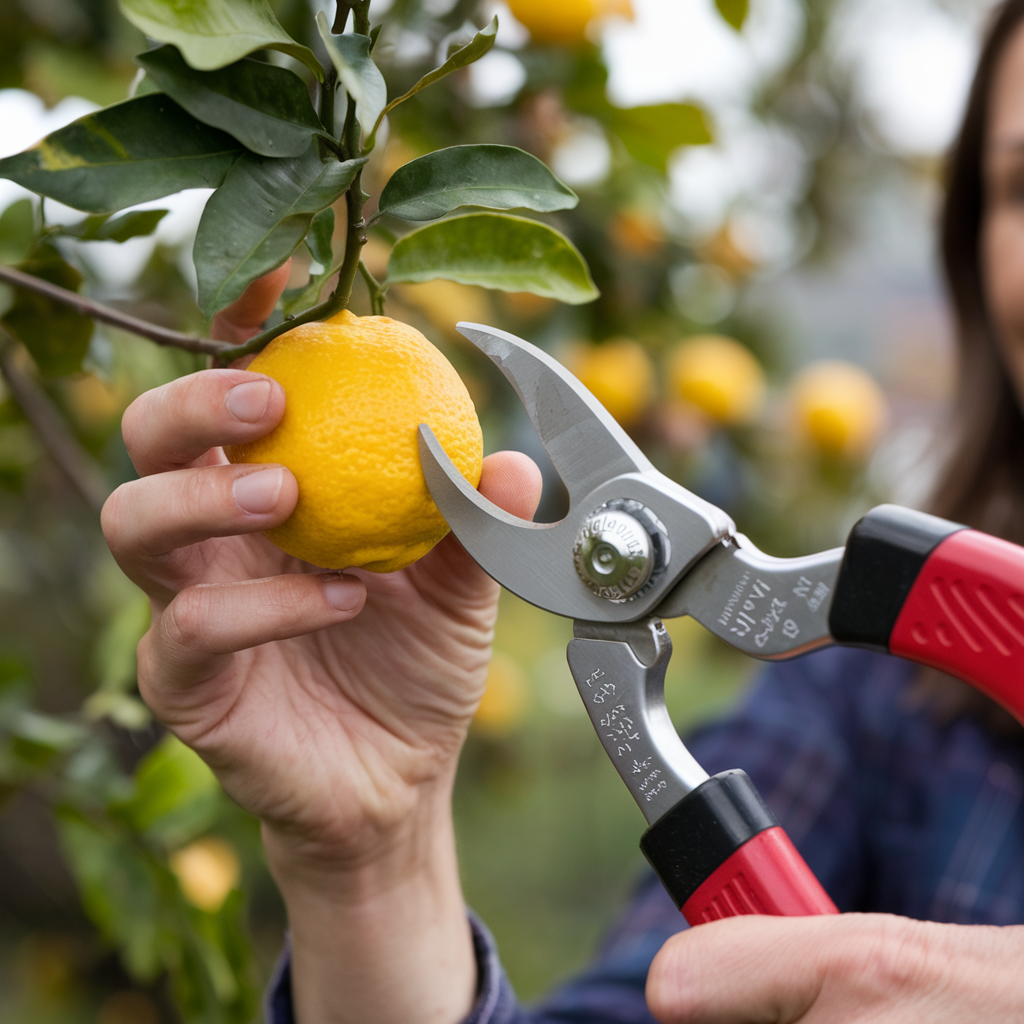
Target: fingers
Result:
[245, 316]
[779, 970]
[208, 621]
[147, 519]
[513, 482]
[175, 425]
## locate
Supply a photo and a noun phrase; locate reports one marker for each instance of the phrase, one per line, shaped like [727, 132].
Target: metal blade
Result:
[584, 442]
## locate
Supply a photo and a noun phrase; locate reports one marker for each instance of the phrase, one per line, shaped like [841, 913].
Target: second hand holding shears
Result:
[635, 547]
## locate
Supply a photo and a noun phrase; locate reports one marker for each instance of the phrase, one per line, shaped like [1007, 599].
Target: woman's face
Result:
[1002, 242]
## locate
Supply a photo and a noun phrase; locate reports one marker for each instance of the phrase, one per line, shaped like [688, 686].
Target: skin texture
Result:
[1002, 239]
[331, 705]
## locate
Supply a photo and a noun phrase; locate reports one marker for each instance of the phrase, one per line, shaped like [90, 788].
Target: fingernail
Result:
[343, 592]
[248, 402]
[258, 492]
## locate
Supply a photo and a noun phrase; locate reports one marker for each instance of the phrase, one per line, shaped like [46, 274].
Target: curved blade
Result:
[584, 442]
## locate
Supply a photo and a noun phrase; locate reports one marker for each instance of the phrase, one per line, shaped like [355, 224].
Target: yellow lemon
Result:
[719, 376]
[356, 390]
[620, 376]
[565, 21]
[207, 870]
[839, 407]
[507, 698]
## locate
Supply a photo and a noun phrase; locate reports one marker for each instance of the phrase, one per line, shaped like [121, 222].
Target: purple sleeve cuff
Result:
[495, 1001]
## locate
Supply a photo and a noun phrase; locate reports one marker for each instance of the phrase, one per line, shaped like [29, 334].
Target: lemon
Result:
[620, 376]
[839, 407]
[207, 870]
[507, 698]
[356, 390]
[719, 376]
[564, 21]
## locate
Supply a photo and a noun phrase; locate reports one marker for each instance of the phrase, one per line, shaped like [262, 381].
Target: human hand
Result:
[328, 704]
[854, 968]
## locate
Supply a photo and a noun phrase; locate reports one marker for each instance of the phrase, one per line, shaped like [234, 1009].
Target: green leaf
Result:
[362, 79]
[214, 34]
[121, 891]
[56, 336]
[734, 11]
[134, 151]
[265, 107]
[496, 177]
[176, 795]
[254, 221]
[652, 134]
[495, 250]
[101, 228]
[472, 51]
[319, 239]
[17, 229]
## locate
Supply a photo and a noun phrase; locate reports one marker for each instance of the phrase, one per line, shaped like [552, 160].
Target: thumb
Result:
[739, 971]
[779, 970]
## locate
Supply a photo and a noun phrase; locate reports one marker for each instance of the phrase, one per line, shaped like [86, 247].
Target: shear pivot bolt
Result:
[613, 554]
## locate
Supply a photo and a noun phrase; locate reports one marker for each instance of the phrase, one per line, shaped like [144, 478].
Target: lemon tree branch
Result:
[109, 315]
[59, 442]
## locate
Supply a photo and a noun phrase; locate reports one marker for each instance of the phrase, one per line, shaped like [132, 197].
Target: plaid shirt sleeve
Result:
[892, 812]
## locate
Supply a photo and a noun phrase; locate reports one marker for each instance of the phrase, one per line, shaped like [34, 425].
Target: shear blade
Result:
[584, 442]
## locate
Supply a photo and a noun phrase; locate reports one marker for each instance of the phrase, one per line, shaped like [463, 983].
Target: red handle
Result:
[765, 875]
[965, 615]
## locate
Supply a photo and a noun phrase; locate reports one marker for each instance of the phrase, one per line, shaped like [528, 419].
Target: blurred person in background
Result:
[333, 706]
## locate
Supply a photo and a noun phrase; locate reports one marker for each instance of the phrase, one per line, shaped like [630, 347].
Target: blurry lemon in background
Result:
[506, 699]
[638, 232]
[565, 21]
[839, 407]
[620, 376]
[357, 389]
[717, 375]
[207, 870]
[445, 303]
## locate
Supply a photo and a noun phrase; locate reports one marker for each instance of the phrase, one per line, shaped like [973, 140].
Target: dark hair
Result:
[982, 481]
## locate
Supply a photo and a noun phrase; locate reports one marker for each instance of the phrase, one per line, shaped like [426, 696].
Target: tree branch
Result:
[59, 442]
[109, 315]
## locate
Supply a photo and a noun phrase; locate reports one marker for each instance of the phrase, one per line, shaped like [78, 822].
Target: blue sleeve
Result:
[797, 735]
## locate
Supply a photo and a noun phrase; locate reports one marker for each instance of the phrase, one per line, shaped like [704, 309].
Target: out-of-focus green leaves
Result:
[122, 890]
[142, 149]
[176, 796]
[319, 239]
[495, 250]
[56, 336]
[461, 58]
[254, 221]
[734, 11]
[114, 663]
[265, 107]
[103, 228]
[213, 35]
[350, 55]
[495, 177]
[652, 134]
[17, 228]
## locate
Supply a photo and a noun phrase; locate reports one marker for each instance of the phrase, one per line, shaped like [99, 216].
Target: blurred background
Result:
[758, 197]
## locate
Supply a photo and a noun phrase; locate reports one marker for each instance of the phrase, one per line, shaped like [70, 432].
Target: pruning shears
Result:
[635, 548]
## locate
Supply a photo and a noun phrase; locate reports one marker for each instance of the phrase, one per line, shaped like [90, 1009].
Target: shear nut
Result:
[614, 554]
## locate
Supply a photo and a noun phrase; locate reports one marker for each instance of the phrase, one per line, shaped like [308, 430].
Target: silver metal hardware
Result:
[620, 673]
[598, 463]
[767, 607]
[621, 546]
